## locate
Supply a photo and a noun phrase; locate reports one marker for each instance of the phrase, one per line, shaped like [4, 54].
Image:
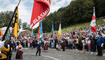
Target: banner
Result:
[16, 24]
[32, 34]
[93, 22]
[14, 13]
[41, 9]
[60, 32]
[1, 32]
[52, 28]
[39, 32]
[8, 35]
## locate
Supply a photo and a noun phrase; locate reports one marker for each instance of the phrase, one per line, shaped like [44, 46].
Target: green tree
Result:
[5, 18]
[100, 7]
[79, 11]
[24, 25]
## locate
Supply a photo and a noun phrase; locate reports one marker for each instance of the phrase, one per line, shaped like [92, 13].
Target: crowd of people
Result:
[82, 39]
[79, 39]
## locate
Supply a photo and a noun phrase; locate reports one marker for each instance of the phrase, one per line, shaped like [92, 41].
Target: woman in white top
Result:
[19, 54]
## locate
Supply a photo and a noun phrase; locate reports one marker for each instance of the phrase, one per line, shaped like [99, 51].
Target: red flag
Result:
[93, 22]
[41, 9]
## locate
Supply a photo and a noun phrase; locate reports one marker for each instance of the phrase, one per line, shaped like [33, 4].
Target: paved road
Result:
[52, 54]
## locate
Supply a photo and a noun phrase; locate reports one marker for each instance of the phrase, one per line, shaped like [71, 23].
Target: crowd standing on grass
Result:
[79, 39]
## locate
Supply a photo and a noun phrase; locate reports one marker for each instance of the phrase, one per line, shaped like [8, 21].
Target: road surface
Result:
[52, 54]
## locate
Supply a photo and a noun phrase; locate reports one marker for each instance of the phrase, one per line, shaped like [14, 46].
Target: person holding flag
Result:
[100, 39]
[5, 47]
[38, 48]
[93, 31]
[40, 11]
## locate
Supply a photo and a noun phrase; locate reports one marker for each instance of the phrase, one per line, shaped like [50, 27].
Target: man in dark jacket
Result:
[56, 41]
[38, 48]
[63, 45]
[93, 43]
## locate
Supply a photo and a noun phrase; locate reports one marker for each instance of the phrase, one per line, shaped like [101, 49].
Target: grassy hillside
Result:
[99, 21]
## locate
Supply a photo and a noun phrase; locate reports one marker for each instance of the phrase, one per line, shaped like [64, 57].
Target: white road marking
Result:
[50, 57]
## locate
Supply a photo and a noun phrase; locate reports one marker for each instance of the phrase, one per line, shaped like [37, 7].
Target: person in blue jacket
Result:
[100, 43]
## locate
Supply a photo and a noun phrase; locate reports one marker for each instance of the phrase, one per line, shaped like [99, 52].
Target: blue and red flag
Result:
[52, 28]
[8, 35]
[40, 31]
[32, 33]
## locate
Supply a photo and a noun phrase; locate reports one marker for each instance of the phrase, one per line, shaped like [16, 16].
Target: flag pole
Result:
[19, 3]
[3, 38]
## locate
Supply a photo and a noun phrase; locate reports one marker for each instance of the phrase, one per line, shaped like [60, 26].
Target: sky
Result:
[26, 6]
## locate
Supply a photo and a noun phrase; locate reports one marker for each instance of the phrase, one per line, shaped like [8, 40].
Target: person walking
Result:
[38, 48]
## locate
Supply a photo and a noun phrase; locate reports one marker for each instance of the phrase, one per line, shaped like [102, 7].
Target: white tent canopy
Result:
[4, 29]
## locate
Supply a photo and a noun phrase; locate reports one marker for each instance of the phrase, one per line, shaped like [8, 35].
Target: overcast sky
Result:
[25, 8]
